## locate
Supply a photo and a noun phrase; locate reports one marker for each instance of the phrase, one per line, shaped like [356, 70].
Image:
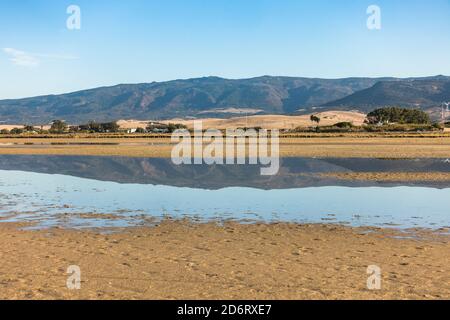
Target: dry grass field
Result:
[263, 121]
[312, 145]
[360, 145]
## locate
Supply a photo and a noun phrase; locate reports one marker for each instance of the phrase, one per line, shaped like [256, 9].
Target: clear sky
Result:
[132, 41]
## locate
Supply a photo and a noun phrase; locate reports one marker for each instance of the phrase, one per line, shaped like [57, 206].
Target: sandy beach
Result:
[181, 260]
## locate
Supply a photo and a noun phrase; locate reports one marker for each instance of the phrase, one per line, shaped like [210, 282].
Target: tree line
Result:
[397, 115]
[60, 127]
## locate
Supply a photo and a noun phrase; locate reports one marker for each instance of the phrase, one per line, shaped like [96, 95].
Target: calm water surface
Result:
[84, 192]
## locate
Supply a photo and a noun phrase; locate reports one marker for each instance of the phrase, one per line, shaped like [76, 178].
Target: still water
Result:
[84, 192]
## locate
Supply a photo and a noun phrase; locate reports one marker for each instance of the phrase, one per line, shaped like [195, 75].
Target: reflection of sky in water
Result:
[44, 196]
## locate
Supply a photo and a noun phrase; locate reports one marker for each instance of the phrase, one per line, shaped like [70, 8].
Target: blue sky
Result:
[147, 40]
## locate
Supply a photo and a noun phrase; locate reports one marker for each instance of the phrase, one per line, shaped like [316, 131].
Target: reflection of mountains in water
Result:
[294, 172]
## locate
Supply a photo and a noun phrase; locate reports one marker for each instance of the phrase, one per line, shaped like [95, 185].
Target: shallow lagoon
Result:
[85, 191]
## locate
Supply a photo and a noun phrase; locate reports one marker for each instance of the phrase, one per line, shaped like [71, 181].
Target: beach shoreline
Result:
[184, 260]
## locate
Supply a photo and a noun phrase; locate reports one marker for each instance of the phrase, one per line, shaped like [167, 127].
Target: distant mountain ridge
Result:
[423, 93]
[218, 97]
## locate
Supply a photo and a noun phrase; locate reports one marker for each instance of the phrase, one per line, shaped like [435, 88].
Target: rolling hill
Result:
[223, 98]
[423, 93]
[262, 121]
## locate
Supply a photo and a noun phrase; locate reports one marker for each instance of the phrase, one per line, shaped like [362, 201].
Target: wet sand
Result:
[181, 260]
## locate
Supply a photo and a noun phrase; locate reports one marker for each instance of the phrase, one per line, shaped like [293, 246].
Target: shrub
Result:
[58, 126]
[175, 126]
[314, 118]
[398, 115]
[344, 125]
[28, 128]
[401, 128]
[16, 131]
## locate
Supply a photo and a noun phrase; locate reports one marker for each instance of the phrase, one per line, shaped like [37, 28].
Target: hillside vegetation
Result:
[214, 97]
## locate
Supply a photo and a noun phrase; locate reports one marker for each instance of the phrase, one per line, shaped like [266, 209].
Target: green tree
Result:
[28, 128]
[175, 126]
[110, 127]
[16, 131]
[94, 126]
[58, 126]
[398, 115]
[315, 118]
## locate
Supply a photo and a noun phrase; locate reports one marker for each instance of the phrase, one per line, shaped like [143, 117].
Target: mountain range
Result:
[218, 97]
